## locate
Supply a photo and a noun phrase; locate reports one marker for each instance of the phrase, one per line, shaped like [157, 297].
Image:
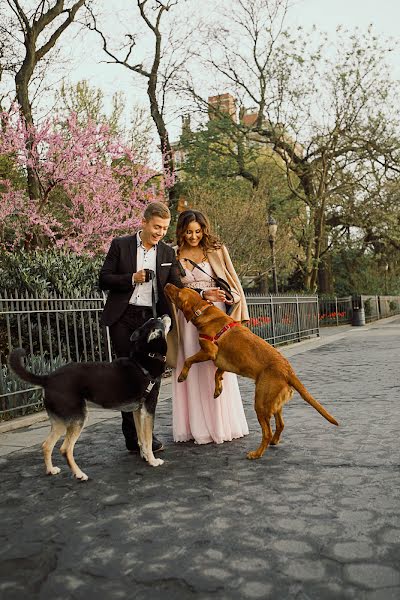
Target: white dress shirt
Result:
[145, 259]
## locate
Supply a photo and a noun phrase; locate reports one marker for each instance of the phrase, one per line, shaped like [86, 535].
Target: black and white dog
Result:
[124, 384]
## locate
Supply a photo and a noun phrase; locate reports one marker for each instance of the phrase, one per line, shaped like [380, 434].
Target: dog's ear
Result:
[167, 323]
[135, 336]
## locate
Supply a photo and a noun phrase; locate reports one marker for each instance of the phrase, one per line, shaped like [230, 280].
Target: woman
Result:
[197, 415]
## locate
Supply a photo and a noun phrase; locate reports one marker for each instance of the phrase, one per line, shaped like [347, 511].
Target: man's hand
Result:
[139, 277]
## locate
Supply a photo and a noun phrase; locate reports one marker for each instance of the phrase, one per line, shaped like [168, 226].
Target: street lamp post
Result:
[386, 279]
[272, 229]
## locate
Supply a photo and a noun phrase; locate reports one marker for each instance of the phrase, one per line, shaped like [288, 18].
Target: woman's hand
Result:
[215, 295]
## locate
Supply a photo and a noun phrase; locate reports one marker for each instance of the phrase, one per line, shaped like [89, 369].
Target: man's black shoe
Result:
[134, 446]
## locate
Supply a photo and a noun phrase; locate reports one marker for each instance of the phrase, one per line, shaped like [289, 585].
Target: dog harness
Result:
[203, 336]
[152, 382]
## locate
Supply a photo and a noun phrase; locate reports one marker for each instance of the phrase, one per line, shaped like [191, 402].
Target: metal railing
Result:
[283, 319]
[379, 307]
[53, 331]
[335, 311]
[339, 311]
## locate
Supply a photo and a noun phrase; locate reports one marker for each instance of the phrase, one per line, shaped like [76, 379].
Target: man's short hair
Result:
[156, 209]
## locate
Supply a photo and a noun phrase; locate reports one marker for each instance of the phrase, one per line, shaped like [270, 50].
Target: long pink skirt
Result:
[197, 415]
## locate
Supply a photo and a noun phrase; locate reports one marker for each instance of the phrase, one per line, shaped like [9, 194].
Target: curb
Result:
[21, 422]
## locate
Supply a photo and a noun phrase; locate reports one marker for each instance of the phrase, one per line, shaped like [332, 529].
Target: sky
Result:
[326, 15]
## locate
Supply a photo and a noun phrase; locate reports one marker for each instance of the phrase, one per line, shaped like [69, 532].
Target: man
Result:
[129, 302]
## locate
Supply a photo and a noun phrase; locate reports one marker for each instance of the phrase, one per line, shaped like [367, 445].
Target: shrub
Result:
[26, 402]
[49, 271]
[368, 307]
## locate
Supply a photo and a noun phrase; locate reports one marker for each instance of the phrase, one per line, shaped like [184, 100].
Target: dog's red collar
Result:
[203, 336]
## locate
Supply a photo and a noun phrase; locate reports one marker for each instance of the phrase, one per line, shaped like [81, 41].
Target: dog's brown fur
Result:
[240, 351]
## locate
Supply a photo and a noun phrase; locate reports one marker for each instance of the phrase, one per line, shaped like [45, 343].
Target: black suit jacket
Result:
[118, 268]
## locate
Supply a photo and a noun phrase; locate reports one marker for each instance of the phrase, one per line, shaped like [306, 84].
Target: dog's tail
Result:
[15, 362]
[305, 394]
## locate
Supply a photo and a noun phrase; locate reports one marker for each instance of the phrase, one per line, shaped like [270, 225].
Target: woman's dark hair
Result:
[208, 241]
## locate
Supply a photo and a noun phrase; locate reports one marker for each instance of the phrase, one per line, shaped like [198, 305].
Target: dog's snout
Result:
[171, 291]
[155, 334]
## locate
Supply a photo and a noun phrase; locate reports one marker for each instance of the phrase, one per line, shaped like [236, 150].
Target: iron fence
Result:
[379, 307]
[53, 331]
[283, 319]
[335, 311]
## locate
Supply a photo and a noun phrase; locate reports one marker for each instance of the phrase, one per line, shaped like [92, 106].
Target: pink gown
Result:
[196, 414]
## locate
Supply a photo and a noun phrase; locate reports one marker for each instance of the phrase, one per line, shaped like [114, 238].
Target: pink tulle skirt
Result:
[197, 415]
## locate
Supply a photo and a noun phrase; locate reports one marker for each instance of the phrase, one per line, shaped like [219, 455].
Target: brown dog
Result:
[233, 347]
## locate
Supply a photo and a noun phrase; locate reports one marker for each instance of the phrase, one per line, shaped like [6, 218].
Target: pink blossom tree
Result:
[92, 186]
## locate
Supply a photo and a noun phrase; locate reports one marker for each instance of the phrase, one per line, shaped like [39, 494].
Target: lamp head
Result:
[272, 228]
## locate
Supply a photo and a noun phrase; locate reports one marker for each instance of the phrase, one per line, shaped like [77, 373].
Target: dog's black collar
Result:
[157, 356]
[151, 383]
[146, 373]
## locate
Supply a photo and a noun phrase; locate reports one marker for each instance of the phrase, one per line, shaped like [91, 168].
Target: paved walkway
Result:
[318, 517]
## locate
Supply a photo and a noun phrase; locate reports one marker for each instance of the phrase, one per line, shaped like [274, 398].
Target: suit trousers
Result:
[120, 333]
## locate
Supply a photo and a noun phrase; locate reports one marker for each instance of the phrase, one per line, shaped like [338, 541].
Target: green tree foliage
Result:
[87, 102]
[327, 114]
[238, 206]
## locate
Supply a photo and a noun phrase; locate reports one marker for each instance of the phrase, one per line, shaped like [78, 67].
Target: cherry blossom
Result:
[92, 185]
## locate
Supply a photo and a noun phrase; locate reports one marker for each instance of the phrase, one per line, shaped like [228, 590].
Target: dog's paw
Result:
[182, 377]
[157, 462]
[81, 476]
[217, 393]
[54, 471]
[253, 455]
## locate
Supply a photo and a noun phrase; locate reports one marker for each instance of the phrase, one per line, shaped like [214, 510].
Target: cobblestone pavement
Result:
[316, 518]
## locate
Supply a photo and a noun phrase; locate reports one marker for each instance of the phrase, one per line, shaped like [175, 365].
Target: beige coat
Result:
[221, 264]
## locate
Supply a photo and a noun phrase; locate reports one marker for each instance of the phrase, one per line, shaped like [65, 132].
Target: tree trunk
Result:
[21, 84]
[319, 233]
[309, 265]
[325, 279]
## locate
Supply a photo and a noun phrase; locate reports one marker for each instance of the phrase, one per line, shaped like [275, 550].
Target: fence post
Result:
[298, 318]
[272, 320]
[336, 312]
[107, 333]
